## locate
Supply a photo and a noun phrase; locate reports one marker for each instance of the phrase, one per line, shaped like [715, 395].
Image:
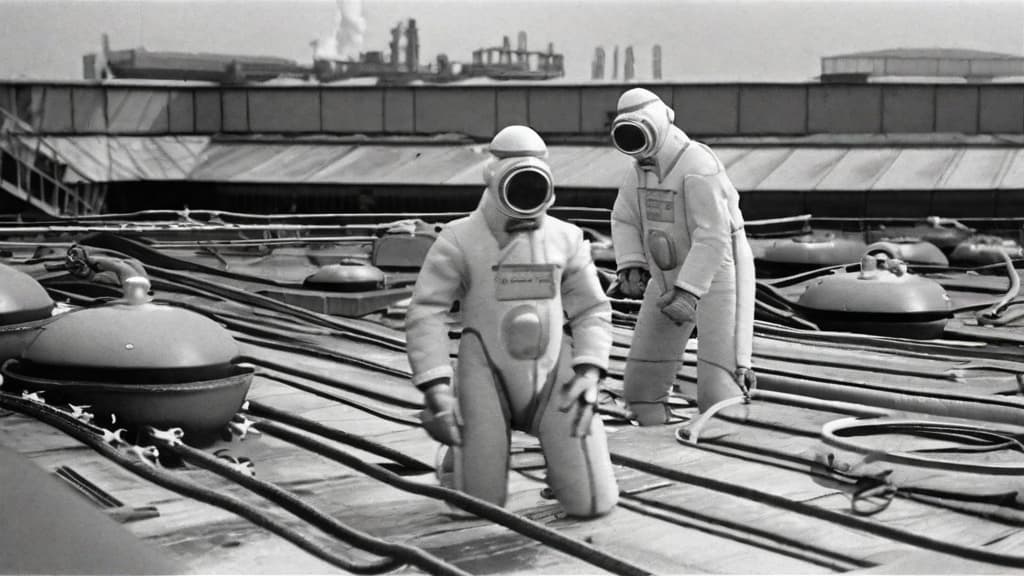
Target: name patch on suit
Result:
[524, 282]
[659, 205]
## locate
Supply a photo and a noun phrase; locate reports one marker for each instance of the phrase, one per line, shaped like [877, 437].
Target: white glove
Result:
[746, 379]
[679, 305]
[439, 416]
[578, 398]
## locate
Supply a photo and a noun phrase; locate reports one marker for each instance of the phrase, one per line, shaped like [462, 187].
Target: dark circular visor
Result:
[527, 190]
[629, 137]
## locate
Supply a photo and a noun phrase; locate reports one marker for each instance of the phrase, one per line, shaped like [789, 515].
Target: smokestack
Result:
[346, 41]
[597, 67]
[521, 47]
[505, 57]
[656, 61]
[395, 45]
[629, 68]
[615, 64]
[412, 47]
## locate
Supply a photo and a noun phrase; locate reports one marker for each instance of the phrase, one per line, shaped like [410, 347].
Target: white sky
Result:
[749, 40]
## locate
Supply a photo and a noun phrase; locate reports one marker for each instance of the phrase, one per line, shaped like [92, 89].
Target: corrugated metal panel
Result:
[858, 169]
[378, 164]
[87, 154]
[115, 159]
[438, 165]
[135, 111]
[222, 162]
[751, 169]
[588, 166]
[729, 155]
[978, 168]
[917, 169]
[803, 169]
[1013, 179]
[294, 163]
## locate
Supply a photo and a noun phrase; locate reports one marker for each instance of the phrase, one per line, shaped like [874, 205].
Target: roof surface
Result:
[775, 164]
[941, 53]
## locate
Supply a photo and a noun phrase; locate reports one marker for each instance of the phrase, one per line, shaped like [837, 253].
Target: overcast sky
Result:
[749, 40]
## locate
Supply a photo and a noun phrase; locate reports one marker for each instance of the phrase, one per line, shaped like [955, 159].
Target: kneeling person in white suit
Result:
[520, 277]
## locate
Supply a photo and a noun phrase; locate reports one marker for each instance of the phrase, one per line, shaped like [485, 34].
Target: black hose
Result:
[854, 522]
[332, 382]
[320, 352]
[268, 412]
[382, 413]
[407, 554]
[473, 505]
[91, 436]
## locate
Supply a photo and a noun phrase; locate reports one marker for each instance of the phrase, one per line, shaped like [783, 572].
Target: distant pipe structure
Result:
[412, 46]
[615, 64]
[629, 66]
[597, 66]
[656, 62]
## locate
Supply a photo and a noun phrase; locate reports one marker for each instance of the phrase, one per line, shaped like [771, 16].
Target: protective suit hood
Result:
[643, 125]
[519, 182]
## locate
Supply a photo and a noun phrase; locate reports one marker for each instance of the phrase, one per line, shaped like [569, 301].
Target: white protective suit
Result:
[677, 215]
[519, 276]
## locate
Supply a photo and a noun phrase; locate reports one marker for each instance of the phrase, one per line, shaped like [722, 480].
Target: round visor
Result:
[631, 137]
[526, 191]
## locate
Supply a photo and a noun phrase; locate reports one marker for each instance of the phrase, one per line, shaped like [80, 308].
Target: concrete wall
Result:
[478, 111]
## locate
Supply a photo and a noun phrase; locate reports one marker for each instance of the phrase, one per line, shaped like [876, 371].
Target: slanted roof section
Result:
[944, 53]
[769, 164]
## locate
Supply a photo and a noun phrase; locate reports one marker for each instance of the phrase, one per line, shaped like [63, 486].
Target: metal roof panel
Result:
[858, 169]
[978, 168]
[803, 169]
[751, 169]
[222, 162]
[917, 169]
[588, 166]
[294, 163]
[1013, 177]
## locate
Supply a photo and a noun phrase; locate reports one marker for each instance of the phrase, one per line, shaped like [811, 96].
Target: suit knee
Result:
[602, 503]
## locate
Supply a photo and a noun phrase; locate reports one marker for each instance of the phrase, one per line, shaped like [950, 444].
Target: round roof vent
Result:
[346, 276]
[22, 299]
[148, 364]
[883, 298]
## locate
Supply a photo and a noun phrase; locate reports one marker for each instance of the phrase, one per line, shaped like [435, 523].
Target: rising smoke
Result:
[347, 39]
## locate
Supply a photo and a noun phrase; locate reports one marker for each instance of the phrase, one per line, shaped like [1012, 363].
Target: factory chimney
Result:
[597, 66]
[629, 67]
[412, 46]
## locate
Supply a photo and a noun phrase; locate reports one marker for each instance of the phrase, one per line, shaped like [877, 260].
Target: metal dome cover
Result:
[347, 276]
[911, 250]
[877, 292]
[133, 337]
[814, 250]
[22, 299]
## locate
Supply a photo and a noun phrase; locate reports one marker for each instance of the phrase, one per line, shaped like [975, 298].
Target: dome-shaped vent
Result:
[145, 363]
[22, 299]
[807, 252]
[880, 299]
[347, 276]
[910, 250]
[983, 251]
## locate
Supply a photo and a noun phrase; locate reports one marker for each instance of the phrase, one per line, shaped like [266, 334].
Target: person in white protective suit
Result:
[519, 276]
[679, 243]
